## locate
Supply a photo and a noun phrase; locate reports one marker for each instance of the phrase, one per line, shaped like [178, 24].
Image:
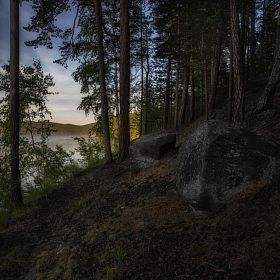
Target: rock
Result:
[218, 161]
[263, 121]
[148, 149]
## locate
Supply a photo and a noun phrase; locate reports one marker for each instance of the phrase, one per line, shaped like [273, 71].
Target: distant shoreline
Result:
[65, 129]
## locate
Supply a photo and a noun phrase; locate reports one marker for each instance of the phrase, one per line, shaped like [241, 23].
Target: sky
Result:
[63, 106]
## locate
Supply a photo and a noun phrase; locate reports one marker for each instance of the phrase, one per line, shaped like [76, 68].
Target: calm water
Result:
[66, 141]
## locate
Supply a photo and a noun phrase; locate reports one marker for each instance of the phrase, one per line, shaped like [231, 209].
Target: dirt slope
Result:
[109, 224]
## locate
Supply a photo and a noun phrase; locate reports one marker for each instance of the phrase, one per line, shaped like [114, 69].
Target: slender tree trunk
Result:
[237, 65]
[116, 81]
[206, 88]
[266, 99]
[147, 91]
[215, 65]
[245, 17]
[231, 87]
[253, 41]
[104, 102]
[16, 194]
[176, 99]
[142, 77]
[182, 115]
[167, 92]
[204, 78]
[124, 139]
[192, 98]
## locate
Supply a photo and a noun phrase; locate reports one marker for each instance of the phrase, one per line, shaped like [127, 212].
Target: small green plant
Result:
[110, 261]
[108, 273]
[120, 254]
[90, 150]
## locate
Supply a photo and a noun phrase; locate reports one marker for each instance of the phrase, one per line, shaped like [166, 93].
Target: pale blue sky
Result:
[64, 105]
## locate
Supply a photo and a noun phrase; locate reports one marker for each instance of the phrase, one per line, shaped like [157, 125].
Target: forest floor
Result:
[110, 224]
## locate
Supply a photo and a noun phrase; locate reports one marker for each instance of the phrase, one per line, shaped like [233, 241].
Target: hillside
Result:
[67, 129]
[110, 224]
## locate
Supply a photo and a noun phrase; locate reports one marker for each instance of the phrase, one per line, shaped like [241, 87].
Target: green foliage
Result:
[90, 150]
[41, 167]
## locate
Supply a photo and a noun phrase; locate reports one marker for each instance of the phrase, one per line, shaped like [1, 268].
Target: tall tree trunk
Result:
[252, 73]
[215, 65]
[124, 139]
[183, 108]
[142, 77]
[16, 194]
[104, 102]
[176, 99]
[266, 99]
[231, 87]
[116, 82]
[237, 65]
[205, 80]
[192, 98]
[167, 93]
[147, 82]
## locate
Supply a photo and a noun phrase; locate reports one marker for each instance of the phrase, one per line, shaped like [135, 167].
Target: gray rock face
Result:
[218, 161]
[146, 150]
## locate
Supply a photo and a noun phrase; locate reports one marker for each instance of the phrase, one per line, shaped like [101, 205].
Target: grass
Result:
[110, 260]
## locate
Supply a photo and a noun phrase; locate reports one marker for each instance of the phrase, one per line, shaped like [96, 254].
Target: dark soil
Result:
[110, 224]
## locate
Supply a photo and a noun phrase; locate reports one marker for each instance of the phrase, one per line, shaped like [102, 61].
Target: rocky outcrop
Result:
[218, 161]
[146, 150]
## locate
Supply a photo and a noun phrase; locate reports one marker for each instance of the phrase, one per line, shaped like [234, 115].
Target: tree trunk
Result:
[176, 99]
[205, 80]
[266, 100]
[16, 194]
[253, 42]
[142, 77]
[167, 93]
[116, 82]
[237, 65]
[215, 65]
[124, 139]
[230, 90]
[192, 99]
[183, 108]
[147, 91]
[104, 102]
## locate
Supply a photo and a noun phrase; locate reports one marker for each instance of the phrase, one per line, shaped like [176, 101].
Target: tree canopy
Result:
[166, 62]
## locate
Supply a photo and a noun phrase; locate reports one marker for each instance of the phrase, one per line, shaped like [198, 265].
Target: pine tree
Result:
[16, 194]
[124, 134]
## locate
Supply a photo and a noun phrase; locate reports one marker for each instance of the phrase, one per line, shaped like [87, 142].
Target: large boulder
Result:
[146, 150]
[218, 161]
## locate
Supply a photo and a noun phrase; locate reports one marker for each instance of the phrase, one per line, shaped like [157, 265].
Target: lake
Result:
[66, 141]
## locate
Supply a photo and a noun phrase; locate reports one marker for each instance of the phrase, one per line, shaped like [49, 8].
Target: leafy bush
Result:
[90, 149]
